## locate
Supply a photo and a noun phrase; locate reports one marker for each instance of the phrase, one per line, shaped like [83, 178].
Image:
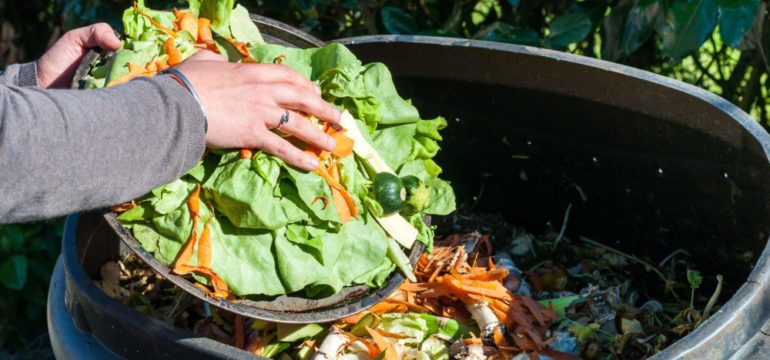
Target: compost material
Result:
[487, 290]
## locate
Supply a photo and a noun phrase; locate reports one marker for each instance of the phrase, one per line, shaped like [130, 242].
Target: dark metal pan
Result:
[284, 309]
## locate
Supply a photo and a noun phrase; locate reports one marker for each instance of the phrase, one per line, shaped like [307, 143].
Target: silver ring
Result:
[284, 120]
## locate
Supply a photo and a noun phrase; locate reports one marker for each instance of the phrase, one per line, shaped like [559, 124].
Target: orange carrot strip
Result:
[415, 287]
[193, 202]
[186, 21]
[155, 23]
[344, 146]
[246, 153]
[242, 49]
[204, 247]
[348, 199]
[435, 273]
[341, 206]
[174, 56]
[383, 344]
[204, 34]
[410, 306]
[183, 258]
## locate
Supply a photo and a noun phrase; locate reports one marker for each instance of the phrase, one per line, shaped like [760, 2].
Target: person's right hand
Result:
[244, 101]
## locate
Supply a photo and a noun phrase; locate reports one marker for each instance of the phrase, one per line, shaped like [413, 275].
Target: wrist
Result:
[184, 82]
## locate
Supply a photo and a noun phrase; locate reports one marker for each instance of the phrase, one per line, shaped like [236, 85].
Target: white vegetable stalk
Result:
[462, 351]
[486, 320]
[331, 346]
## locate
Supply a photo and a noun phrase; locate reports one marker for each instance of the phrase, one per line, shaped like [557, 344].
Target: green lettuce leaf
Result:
[218, 11]
[272, 230]
[243, 29]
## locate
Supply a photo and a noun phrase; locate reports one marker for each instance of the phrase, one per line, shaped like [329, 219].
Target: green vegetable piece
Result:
[389, 192]
[397, 256]
[369, 320]
[294, 332]
[559, 304]
[418, 195]
[446, 327]
[583, 333]
[694, 278]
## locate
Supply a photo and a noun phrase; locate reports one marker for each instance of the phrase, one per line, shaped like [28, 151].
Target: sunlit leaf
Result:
[688, 24]
[735, 18]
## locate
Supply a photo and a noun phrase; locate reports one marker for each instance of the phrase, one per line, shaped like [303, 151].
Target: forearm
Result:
[66, 151]
[19, 75]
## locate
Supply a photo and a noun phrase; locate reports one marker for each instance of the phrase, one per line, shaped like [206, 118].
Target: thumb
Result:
[100, 35]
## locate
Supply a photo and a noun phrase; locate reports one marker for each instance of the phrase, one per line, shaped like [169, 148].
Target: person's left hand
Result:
[57, 66]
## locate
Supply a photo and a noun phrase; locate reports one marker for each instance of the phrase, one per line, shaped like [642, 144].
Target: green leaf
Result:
[11, 238]
[294, 332]
[628, 26]
[569, 28]
[13, 272]
[218, 11]
[242, 28]
[504, 32]
[397, 21]
[735, 18]
[559, 304]
[442, 197]
[694, 278]
[583, 333]
[688, 24]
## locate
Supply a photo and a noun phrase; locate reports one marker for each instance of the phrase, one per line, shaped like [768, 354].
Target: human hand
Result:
[244, 101]
[57, 66]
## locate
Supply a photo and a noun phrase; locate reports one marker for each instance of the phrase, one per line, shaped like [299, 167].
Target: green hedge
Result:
[720, 45]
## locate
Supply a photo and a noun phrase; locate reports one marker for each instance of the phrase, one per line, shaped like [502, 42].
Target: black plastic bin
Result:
[661, 165]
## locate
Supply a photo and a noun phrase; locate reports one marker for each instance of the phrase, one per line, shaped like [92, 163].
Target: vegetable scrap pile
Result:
[471, 300]
[456, 310]
[244, 223]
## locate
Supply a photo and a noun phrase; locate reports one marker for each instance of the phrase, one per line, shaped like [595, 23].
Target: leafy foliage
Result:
[719, 45]
[27, 256]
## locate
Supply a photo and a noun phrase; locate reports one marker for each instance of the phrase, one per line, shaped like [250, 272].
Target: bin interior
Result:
[644, 184]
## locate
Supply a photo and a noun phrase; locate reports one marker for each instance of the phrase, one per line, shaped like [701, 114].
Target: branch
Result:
[704, 70]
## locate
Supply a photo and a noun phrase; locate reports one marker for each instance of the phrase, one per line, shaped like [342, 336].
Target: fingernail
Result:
[337, 114]
[330, 143]
[317, 89]
[312, 163]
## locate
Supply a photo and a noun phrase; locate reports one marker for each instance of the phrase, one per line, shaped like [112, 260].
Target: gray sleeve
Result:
[63, 151]
[20, 75]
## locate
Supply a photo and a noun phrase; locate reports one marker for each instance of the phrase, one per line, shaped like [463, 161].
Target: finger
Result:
[278, 146]
[100, 35]
[276, 73]
[302, 100]
[206, 55]
[302, 128]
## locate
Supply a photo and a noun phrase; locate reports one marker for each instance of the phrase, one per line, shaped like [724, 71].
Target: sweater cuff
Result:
[194, 120]
[28, 74]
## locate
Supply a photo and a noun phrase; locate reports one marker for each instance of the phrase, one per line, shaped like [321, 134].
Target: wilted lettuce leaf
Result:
[275, 229]
[242, 28]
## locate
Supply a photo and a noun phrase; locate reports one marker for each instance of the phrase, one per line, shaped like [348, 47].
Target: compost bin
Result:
[650, 165]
